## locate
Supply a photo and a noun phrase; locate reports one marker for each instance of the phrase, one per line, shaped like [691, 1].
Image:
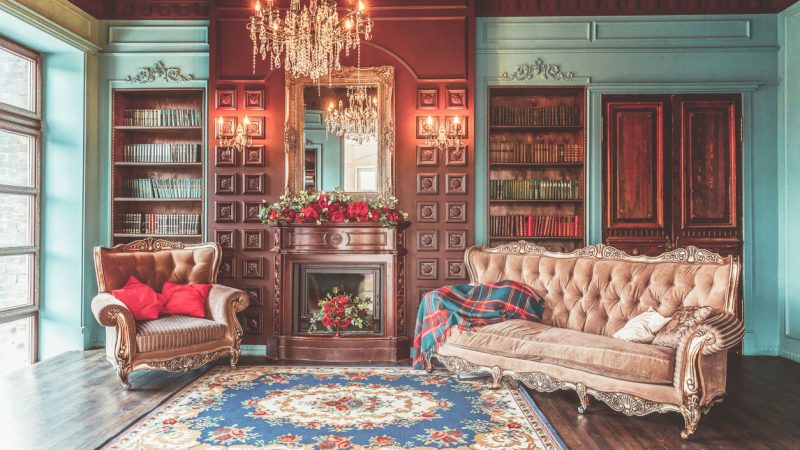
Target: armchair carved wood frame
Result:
[155, 261]
[694, 393]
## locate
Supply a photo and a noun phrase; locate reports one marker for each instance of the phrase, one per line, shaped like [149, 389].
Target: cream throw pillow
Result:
[642, 328]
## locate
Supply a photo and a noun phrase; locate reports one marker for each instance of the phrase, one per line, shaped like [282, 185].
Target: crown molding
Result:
[494, 8]
[59, 18]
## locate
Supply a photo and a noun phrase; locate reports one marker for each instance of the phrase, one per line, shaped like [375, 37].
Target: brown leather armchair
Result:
[173, 343]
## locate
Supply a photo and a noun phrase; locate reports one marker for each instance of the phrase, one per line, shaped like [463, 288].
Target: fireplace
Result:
[313, 281]
[363, 259]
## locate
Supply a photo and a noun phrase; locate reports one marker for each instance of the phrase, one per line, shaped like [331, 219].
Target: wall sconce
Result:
[445, 137]
[239, 140]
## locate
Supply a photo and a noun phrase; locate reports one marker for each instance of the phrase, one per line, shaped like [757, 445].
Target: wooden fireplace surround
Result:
[347, 243]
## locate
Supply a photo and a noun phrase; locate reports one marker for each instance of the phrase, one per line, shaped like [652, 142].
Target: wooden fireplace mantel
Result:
[345, 244]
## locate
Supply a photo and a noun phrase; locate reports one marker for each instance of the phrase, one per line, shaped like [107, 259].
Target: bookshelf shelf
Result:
[141, 235]
[137, 199]
[536, 201]
[156, 129]
[157, 146]
[536, 148]
[156, 164]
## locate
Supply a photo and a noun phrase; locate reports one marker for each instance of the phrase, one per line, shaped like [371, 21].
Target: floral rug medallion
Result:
[342, 408]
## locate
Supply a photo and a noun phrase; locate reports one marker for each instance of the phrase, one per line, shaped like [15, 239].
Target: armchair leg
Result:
[583, 397]
[122, 372]
[234, 358]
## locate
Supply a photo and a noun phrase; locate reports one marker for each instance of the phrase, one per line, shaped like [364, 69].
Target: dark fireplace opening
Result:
[313, 281]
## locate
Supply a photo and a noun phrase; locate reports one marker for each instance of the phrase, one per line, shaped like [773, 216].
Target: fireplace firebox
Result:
[313, 281]
[362, 259]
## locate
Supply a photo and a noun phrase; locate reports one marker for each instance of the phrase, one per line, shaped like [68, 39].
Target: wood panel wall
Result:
[431, 46]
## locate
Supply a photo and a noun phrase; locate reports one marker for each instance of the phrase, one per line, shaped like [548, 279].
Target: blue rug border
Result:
[519, 387]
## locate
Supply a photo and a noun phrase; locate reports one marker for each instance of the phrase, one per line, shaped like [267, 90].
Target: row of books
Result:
[535, 116]
[158, 188]
[177, 224]
[533, 226]
[534, 189]
[520, 152]
[162, 118]
[184, 153]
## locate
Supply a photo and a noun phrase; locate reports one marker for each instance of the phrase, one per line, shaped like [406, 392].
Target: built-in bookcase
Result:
[158, 182]
[536, 153]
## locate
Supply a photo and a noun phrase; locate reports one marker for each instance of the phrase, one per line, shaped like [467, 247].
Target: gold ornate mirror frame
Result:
[383, 78]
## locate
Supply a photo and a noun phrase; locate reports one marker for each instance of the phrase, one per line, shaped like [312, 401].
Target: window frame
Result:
[26, 122]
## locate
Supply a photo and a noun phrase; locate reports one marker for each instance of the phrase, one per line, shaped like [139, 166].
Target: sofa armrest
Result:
[223, 304]
[701, 360]
[721, 331]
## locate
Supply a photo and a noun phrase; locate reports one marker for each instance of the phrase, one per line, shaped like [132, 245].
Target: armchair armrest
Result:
[108, 310]
[224, 302]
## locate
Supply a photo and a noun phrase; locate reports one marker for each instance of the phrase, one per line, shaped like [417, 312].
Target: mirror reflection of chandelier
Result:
[312, 37]
[359, 120]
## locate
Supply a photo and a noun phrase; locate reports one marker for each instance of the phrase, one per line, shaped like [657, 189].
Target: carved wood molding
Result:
[495, 8]
[157, 71]
[538, 69]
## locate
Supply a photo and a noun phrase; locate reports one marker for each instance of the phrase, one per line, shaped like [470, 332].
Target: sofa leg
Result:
[691, 417]
[583, 397]
[497, 377]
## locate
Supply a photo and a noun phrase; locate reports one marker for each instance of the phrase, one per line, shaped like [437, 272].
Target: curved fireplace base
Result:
[305, 256]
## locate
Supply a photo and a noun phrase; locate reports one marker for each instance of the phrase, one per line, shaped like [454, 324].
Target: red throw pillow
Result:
[143, 301]
[185, 299]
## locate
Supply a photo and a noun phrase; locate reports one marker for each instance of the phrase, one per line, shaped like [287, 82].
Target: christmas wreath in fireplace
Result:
[334, 206]
[339, 310]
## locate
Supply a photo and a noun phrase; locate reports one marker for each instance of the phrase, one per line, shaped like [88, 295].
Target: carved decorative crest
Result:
[538, 69]
[158, 70]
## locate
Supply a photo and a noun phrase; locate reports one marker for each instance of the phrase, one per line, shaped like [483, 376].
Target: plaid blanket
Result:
[469, 305]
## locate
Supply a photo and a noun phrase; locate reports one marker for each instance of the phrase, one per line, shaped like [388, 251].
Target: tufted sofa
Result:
[589, 295]
[173, 343]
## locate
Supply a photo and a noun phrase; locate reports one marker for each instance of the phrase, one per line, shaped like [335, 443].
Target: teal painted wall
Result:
[127, 47]
[68, 185]
[659, 54]
[789, 158]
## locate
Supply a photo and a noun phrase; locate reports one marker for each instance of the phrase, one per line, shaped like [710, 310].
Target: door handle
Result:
[667, 242]
[677, 242]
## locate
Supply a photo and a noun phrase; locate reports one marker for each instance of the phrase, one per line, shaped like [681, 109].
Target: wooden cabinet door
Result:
[706, 146]
[636, 166]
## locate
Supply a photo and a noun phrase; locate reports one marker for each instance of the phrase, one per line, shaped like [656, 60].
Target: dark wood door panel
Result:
[707, 186]
[635, 170]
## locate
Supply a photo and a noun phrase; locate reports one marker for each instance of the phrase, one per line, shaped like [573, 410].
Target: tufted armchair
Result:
[173, 343]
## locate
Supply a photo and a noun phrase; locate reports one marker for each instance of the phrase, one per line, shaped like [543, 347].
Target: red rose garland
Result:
[333, 207]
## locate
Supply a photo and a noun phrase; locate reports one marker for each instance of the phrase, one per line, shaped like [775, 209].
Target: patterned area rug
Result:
[342, 408]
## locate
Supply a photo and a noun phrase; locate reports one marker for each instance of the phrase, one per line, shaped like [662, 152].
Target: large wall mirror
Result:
[319, 159]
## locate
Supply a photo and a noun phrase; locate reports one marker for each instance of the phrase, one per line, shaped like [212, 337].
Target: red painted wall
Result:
[431, 46]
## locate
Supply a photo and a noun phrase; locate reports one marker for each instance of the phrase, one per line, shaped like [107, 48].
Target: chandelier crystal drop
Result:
[310, 38]
[359, 120]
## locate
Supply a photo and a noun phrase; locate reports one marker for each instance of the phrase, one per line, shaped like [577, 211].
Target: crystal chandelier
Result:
[312, 37]
[359, 120]
[445, 136]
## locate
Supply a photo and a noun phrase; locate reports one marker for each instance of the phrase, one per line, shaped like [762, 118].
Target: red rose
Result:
[358, 210]
[383, 440]
[514, 425]
[337, 216]
[310, 213]
[288, 438]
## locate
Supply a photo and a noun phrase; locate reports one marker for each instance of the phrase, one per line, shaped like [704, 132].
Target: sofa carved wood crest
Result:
[172, 343]
[590, 294]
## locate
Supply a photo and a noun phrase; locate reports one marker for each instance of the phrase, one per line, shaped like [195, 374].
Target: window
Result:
[20, 133]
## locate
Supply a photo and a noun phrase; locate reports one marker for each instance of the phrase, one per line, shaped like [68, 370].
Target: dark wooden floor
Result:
[74, 401]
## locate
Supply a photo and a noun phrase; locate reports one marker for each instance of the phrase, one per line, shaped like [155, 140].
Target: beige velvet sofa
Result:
[173, 343]
[589, 295]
